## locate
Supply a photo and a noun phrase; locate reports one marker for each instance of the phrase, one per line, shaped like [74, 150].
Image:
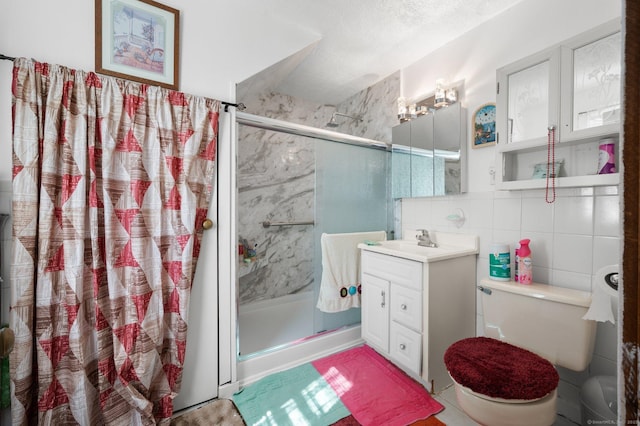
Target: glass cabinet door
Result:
[401, 161]
[448, 149]
[593, 74]
[528, 107]
[422, 156]
[529, 91]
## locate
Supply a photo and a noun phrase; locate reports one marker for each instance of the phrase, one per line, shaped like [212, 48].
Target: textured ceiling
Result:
[360, 42]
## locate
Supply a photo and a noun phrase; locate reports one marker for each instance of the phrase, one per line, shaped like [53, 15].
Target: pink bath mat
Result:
[375, 391]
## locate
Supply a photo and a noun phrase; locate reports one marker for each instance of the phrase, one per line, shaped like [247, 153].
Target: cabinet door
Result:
[375, 311]
[528, 98]
[592, 70]
[449, 148]
[422, 156]
[401, 161]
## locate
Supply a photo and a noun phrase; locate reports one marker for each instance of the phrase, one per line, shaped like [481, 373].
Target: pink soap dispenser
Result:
[525, 267]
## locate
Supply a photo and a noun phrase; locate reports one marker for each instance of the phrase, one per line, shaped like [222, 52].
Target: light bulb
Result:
[440, 93]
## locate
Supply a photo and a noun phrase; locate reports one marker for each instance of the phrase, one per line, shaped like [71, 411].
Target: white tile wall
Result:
[606, 214]
[572, 252]
[574, 215]
[536, 216]
[570, 240]
[507, 214]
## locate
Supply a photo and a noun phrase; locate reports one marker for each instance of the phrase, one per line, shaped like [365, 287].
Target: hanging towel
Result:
[340, 284]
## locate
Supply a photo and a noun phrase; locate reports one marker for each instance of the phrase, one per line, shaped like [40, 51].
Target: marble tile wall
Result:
[276, 178]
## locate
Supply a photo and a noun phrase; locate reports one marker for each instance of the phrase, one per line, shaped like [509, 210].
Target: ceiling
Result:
[362, 41]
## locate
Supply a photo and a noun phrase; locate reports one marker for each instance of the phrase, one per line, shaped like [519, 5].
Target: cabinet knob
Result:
[403, 307]
[403, 346]
[207, 224]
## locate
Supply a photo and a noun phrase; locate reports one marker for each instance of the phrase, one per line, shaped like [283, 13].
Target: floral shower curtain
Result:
[111, 183]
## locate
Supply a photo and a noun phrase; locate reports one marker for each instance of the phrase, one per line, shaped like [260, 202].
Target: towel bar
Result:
[268, 224]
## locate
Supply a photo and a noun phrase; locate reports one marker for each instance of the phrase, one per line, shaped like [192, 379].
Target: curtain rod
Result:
[302, 130]
[240, 106]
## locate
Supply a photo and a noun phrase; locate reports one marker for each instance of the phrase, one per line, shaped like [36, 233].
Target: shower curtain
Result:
[111, 183]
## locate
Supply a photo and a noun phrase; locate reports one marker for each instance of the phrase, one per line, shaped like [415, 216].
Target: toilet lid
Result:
[500, 370]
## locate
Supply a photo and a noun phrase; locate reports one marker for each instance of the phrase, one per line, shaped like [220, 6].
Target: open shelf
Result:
[562, 182]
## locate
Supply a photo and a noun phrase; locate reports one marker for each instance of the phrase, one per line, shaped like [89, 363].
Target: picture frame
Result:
[484, 126]
[138, 40]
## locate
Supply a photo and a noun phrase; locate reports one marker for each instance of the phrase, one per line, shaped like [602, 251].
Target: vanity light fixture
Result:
[440, 100]
[405, 112]
[402, 105]
[452, 95]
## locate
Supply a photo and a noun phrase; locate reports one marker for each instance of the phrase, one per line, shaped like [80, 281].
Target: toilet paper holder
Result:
[612, 280]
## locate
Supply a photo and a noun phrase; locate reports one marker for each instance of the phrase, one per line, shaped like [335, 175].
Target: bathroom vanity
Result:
[417, 301]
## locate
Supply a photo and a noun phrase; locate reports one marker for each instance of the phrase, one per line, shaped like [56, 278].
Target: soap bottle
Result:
[525, 267]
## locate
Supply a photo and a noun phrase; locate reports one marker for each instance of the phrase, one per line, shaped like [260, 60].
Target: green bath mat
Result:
[299, 396]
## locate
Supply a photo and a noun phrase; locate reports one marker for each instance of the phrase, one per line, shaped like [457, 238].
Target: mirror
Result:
[449, 143]
[427, 154]
[401, 161]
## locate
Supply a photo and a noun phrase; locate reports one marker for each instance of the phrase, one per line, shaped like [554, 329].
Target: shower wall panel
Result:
[275, 183]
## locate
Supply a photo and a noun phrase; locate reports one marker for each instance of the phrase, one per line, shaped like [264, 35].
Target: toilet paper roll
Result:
[607, 279]
[603, 290]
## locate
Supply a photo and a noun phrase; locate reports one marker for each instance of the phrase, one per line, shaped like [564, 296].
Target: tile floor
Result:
[452, 415]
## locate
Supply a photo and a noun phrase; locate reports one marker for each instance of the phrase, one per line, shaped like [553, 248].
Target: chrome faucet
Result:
[424, 239]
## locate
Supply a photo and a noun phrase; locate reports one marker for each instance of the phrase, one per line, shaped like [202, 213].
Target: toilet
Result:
[507, 377]
[599, 401]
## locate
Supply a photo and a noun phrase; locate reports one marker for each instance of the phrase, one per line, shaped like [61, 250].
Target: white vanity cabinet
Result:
[412, 311]
[574, 88]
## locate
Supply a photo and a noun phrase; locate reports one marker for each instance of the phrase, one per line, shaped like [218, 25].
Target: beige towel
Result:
[340, 284]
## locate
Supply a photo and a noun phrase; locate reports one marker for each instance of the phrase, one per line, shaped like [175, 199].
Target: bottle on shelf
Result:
[525, 266]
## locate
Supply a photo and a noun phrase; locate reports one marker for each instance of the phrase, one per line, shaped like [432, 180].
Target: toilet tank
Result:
[544, 319]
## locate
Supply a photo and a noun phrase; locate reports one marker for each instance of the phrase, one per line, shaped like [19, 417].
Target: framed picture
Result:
[138, 40]
[484, 125]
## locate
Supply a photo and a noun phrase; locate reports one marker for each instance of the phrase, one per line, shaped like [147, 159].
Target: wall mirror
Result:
[428, 154]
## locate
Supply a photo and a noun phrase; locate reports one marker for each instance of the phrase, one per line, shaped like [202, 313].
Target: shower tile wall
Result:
[275, 183]
[276, 180]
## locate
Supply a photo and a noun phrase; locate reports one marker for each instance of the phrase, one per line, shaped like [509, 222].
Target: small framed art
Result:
[484, 125]
[138, 40]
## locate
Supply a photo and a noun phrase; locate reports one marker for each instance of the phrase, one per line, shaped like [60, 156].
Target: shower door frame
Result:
[232, 372]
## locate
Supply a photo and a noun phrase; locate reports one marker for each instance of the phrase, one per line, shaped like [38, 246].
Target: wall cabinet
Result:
[428, 154]
[573, 88]
[413, 311]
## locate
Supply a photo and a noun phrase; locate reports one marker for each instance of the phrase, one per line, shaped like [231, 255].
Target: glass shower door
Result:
[275, 181]
[302, 187]
[352, 193]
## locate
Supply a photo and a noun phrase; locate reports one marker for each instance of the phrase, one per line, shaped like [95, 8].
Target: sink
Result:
[449, 246]
[412, 246]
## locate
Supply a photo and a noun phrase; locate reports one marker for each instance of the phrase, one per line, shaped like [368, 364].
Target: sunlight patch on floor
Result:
[319, 397]
[337, 381]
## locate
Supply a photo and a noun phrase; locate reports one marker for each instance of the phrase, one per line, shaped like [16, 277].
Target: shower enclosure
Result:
[291, 189]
